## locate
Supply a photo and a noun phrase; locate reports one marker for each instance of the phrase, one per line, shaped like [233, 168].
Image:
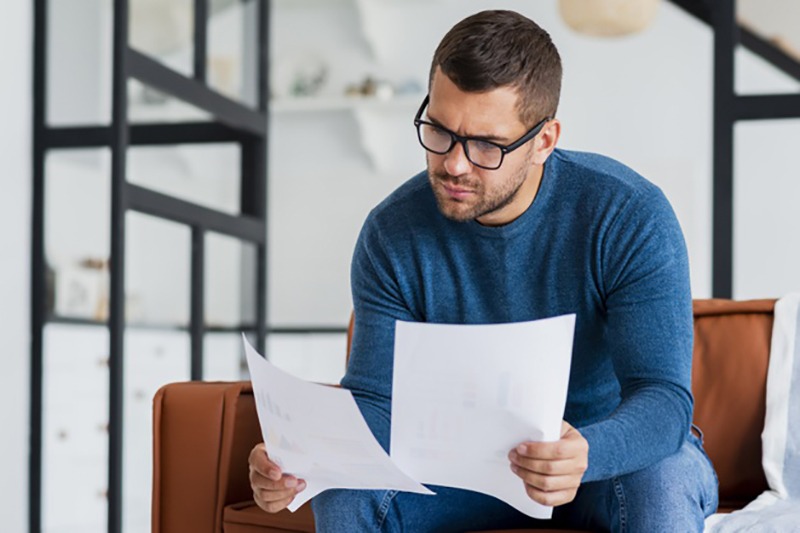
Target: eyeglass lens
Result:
[480, 153]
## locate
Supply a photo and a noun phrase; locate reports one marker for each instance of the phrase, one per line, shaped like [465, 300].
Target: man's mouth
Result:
[456, 192]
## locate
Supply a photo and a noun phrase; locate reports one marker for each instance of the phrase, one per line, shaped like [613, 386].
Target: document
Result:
[317, 433]
[465, 395]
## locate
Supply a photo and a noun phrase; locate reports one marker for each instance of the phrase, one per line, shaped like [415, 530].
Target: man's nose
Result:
[456, 162]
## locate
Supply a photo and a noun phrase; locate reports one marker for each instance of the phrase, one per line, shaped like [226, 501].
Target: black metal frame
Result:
[233, 122]
[38, 275]
[722, 159]
[730, 108]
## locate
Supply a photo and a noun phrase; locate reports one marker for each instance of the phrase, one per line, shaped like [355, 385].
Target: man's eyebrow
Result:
[493, 138]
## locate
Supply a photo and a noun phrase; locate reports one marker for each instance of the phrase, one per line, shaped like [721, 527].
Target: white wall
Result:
[15, 154]
[767, 186]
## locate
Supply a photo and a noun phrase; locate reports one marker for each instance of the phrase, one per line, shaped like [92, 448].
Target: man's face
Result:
[464, 191]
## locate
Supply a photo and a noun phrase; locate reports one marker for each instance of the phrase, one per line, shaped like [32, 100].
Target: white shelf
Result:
[314, 104]
[370, 114]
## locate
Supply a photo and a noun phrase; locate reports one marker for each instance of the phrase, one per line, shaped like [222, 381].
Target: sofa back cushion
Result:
[729, 375]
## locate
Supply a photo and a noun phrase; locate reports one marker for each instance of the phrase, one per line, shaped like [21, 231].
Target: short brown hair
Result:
[498, 48]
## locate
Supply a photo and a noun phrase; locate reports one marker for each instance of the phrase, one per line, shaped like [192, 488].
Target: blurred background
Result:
[345, 79]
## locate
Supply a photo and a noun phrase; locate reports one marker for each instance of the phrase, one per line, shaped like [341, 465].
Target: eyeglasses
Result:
[482, 153]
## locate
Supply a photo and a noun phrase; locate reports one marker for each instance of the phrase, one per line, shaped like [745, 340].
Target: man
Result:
[503, 227]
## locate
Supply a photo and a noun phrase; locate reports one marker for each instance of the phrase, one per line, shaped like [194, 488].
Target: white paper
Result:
[317, 433]
[465, 395]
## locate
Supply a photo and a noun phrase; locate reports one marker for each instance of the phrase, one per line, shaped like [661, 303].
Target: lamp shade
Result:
[608, 18]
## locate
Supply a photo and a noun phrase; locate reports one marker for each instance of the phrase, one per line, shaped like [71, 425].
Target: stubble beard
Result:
[484, 203]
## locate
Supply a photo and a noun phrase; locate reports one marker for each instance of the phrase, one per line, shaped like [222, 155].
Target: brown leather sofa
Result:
[203, 432]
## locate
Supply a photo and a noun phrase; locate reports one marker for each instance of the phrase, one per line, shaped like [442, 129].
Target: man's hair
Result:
[499, 48]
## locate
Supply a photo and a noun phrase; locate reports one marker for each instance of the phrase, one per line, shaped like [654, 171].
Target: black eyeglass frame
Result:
[454, 137]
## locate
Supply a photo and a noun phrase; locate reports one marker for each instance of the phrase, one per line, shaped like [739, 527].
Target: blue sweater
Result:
[599, 241]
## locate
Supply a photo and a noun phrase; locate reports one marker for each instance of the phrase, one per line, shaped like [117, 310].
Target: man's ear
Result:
[546, 141]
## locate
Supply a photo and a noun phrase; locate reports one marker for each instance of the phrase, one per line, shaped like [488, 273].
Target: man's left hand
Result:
[552, 471]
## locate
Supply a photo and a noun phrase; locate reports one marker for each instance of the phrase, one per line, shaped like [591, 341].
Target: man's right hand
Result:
[273, 490]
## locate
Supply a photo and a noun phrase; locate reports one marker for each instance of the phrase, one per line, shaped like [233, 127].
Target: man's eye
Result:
[482, 146]
[438, 132]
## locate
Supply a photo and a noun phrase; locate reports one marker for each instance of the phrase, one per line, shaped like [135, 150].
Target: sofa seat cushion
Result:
[247, 517]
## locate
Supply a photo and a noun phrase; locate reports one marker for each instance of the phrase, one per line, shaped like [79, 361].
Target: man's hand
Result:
[273, 491]
[552, 471]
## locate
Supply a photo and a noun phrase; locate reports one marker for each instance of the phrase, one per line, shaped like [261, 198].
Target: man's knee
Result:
[675, 494]
[351, 510]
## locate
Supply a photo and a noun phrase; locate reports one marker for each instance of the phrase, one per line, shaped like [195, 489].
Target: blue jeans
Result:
[675, 494]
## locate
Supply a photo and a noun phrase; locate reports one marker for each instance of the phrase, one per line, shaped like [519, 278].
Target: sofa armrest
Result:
[203, 434]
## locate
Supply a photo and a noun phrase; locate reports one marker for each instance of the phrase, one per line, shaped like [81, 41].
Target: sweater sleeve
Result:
[648, 332]
[377, 302]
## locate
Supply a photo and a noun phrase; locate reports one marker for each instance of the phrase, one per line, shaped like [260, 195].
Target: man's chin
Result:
[457, 217]
[455, 211]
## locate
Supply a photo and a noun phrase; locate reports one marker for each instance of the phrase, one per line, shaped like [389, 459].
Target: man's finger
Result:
[572, 444]
[553, 499]
[550, 451]
[260, 481]
[548, 467]
[268, 470]
[259, 461]
[269, 495]
[547, 483]
[274, 507]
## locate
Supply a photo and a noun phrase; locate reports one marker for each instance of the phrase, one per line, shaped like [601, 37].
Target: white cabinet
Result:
[152, 359]
[75, 421]
[75, 429]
